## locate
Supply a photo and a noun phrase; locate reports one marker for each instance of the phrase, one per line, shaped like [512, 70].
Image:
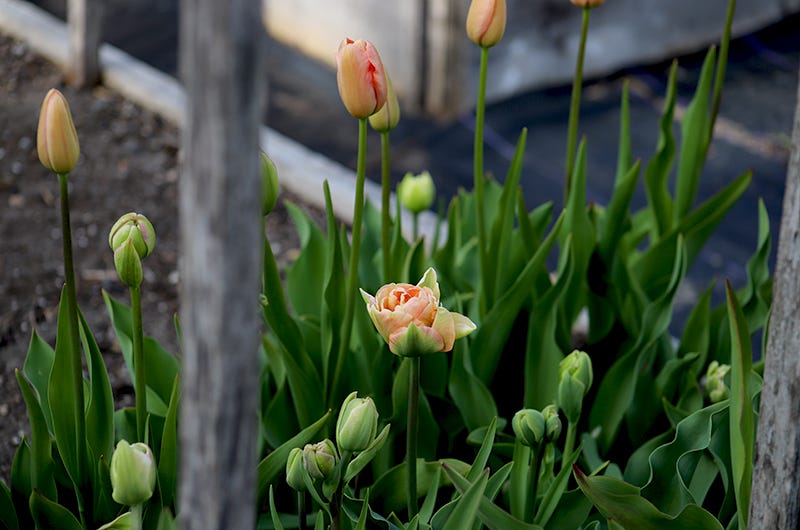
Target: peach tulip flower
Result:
[410, 319]
[486, 22]
[56, 138]
[361, 78]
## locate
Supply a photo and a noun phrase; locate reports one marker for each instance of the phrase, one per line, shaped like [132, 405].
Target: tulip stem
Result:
[301, 510]
[533, 480]
[386, 219]
[575, 103]
[415, 225]
[74, 337]
[412, 434]
[352, 269]
[480, 111]
[140, 382]
[569, 443]
[137, 512]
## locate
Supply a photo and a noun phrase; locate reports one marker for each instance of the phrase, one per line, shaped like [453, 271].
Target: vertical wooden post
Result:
[775, 501]
[84, 18]
[223, 70]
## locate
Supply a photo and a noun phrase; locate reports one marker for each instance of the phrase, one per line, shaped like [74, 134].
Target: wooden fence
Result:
[222, 66]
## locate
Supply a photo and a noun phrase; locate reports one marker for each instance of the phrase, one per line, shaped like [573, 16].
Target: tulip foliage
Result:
[522, 419]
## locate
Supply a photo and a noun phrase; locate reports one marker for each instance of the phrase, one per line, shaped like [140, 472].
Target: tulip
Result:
[388, 116]
[133, 473]
[529, 427]
[410, 319]
[552, 423]
[320, 459]
[357, 424]
[137, 227]
[128, 264]
[588, 3]
[416, 192]
[486, 22]
[360, 76]
[56, 138]
[295, 469]
[269, 184]
[575, 378]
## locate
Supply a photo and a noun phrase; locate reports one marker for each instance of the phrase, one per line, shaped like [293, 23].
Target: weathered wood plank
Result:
[222, 66]
[84, 18]
[775, 501]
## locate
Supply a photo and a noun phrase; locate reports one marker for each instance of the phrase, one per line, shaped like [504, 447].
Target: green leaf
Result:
[479, 464]
[276, 522]
[37, 367]
[757, 293]
[624, 157]
[694, 140]
[272, 465]
[331, 314]
[49, 514]
[466, 507]
[168, 457]
[21, 486]
[742, 424]
[554, 492]
[617, 215]
[470, 395]
[492, 333]
[8, 515]
[489, 513]
[62, 397]
[274, 308]
[42, 477]
[160, 365]
[390, 488]
[365, 457]
[657, 171]
[623, 504]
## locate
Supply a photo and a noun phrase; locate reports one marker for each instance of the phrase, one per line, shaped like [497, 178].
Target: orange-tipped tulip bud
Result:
[410, 319]
[387, 117]
[486, 22]
[56, 138]
[588, 3]
[361, 79]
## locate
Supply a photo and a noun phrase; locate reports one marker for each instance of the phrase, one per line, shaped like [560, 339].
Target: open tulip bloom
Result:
[411, 320]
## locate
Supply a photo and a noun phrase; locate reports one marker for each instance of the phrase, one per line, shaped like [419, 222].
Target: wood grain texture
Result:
[84, 18]
[775, 499]
[222, 67]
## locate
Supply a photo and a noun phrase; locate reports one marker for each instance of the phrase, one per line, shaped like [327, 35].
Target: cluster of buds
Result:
[133, 473]
[416, 192]
[715, 386]
[574, 380]
[533, 428]
[132, 238]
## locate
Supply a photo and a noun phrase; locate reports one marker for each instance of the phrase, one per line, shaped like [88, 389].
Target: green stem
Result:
[569, 443]
[352, 270]
[74, 338]
[386, 218]
[137, 514]
[533, 477]
[412, 434]
[415, 225]
[478, 173]
[140, 380]
[575, 102]
[301, 510]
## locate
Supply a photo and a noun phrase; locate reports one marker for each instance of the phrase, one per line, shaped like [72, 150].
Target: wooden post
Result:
[775, 499]
[223, 71]
[84, 18]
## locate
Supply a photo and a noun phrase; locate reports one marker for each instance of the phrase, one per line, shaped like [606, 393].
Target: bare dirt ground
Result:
[128, 163]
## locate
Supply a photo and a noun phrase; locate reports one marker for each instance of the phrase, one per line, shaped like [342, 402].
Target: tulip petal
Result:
[429, 280]
[414, 341]
[445, 327]
[464, 326]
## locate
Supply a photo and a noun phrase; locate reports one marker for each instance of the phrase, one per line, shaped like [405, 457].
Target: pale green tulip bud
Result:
[133, 473]
[320, 459]
[269, 184]
[575, 378]
[295, 470]
[552, 423]
[389, 114]
[416, 192]
[529, 427]
[357, 424]
[137, 227]
[56, 138]
[128, 264]
[716, 388]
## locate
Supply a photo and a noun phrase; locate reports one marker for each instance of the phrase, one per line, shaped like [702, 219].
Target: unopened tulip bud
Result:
[360, 76]
[588, 3]
[269, 184]
[128, 264]
[715, 381]
[137, 227]
[56, 138]
[486, 22]
[357, 424]
[295, 469]
[389, 114]
[552, 423]
[133, 473]
[320, 459]
[416, 192]
[575, 378]
[529, 427]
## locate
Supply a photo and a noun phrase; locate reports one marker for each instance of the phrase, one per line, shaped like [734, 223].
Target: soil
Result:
[128, 163]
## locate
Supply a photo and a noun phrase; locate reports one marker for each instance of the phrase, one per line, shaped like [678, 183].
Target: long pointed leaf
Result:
[42, 474]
